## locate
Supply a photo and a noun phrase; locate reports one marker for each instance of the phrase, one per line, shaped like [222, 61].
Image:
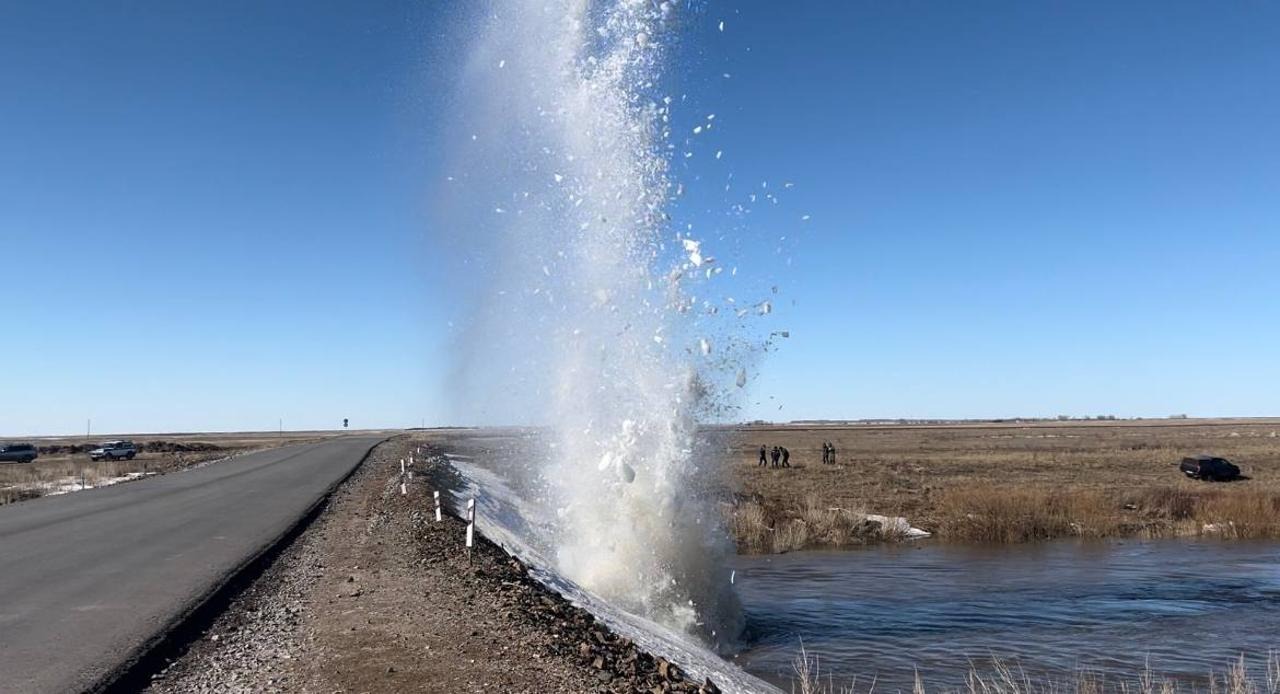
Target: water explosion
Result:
[591, 316]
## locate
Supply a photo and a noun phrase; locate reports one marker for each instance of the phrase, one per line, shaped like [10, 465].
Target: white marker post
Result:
[471, 526]
[403, 488]
[437, 495]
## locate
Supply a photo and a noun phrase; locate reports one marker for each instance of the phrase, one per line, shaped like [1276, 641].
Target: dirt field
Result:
[1005, 482]
[64, 463]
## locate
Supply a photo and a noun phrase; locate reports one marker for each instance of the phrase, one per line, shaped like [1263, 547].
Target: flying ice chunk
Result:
[765, 308]
[788, 184]
[559, 177]
[720, 153]
[804, 218]
[742, 378]
[502, 64]
[605, 461]
[693, 248]
[697, 130]
[626, 473]
[704, 346]
[722, 25]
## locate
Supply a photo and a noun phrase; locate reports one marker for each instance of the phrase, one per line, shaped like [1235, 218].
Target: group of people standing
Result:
[828, 453]
[780, 456]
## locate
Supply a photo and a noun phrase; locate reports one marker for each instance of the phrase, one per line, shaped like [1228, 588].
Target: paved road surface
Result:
[88, 578]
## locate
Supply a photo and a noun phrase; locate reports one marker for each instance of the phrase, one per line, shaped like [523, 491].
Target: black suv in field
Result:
[1209, 468]
[17, 453]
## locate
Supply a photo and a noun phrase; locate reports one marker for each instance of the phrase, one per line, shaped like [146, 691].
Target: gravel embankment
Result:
[377, 597]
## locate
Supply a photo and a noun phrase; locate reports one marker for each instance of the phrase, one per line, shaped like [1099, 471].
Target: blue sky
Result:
[218, 215]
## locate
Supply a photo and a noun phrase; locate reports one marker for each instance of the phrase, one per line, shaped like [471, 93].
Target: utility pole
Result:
[282, 427]
[88, 428]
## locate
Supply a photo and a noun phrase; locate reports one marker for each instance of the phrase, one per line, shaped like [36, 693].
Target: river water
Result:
[1054, 609]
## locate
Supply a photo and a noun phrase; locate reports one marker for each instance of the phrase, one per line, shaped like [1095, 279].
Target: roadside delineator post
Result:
[471, 526]
[437, 496]
[403, 488]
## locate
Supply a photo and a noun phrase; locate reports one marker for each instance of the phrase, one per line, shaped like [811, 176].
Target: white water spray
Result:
[590, 312]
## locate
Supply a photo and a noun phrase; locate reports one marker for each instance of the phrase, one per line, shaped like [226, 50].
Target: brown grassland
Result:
[1003, 482]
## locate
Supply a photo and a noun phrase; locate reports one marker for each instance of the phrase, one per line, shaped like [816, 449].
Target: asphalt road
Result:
[89, 578]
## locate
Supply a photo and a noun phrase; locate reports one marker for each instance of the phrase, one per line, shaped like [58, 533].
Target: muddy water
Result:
[1054, 608]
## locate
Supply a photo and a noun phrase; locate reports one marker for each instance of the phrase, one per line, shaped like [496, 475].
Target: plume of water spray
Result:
[589, 304]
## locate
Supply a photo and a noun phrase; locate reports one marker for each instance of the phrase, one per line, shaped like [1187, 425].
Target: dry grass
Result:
[983, 514]
[813, 524]
[999, 677]
[1004, 482]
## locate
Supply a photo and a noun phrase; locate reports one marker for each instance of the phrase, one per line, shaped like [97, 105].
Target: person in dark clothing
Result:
[826, 455]
[831, 451]
[775, 454]
[786, 457]
[764, 458]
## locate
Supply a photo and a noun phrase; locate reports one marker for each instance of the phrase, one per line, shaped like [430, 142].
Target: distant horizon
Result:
[907, 421]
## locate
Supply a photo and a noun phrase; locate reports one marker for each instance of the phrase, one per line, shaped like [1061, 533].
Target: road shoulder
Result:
[377, 597]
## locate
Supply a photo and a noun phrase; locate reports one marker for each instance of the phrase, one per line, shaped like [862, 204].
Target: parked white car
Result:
[114, 450]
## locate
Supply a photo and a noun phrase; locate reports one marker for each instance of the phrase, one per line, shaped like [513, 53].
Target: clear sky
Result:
[218, 215]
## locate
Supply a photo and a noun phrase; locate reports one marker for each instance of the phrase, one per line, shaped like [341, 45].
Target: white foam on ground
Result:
[526, 529]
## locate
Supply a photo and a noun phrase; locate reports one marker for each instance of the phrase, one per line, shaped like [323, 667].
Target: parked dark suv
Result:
[1209, 468]
[17, 453]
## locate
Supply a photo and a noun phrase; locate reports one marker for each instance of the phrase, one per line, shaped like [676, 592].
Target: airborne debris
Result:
[742, 378]
[693, 248]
